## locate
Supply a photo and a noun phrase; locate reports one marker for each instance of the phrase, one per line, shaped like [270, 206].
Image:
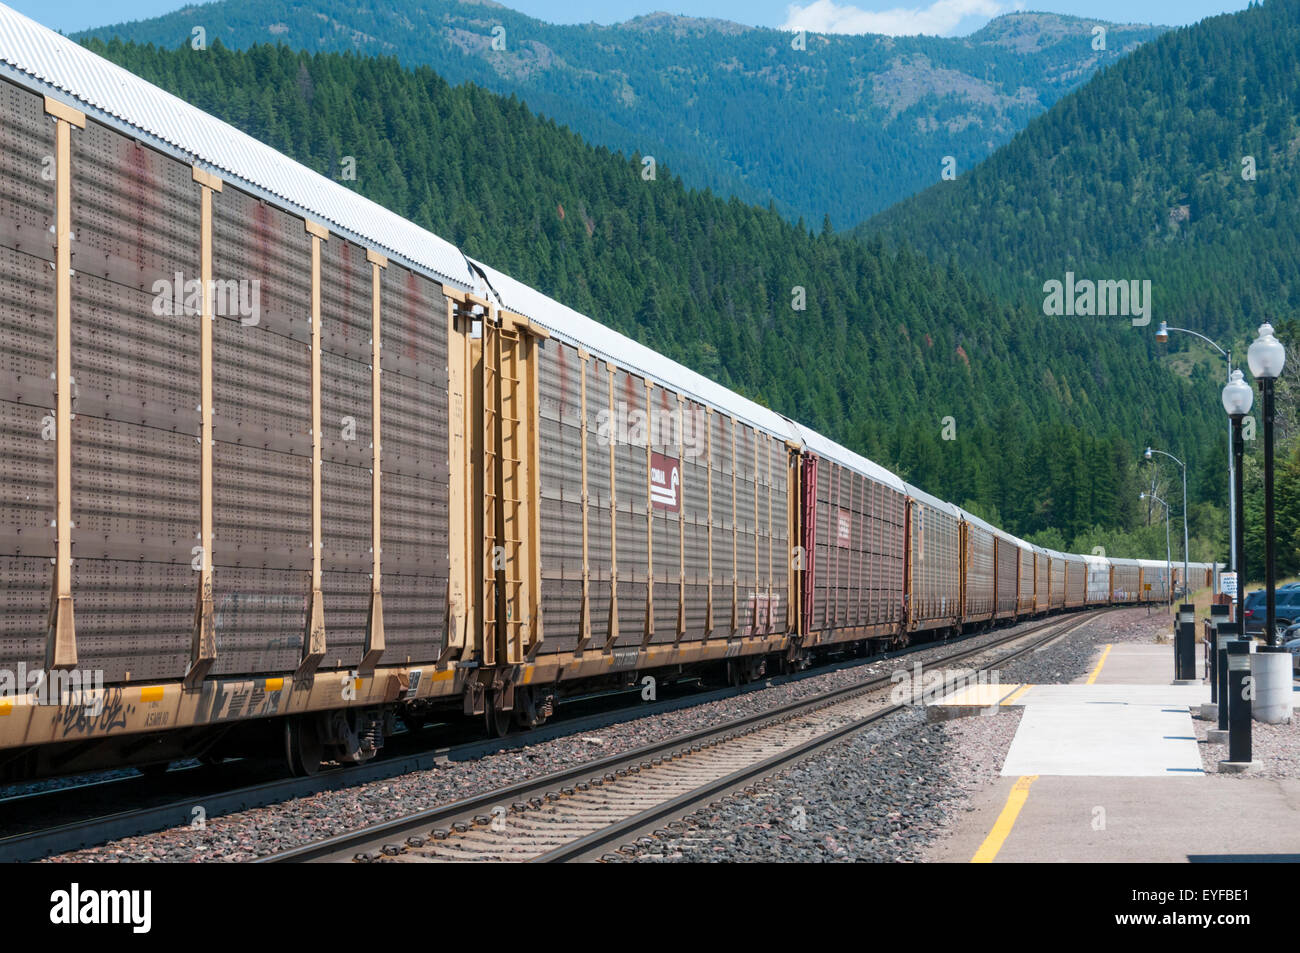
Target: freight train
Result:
[282, 468]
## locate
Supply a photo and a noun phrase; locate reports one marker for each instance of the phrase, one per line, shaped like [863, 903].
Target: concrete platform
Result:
[1146, 820]
[1109, 769]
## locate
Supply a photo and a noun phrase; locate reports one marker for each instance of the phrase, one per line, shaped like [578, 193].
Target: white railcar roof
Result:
[984, 524]
[828, 448]
[42, 60]
[577, 329]
[938, 504]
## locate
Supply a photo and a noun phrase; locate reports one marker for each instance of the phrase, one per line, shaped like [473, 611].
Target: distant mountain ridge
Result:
[844, 127]
[1179, 165]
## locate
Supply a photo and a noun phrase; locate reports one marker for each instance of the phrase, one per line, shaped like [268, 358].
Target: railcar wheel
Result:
[302, 746]
[496, 721]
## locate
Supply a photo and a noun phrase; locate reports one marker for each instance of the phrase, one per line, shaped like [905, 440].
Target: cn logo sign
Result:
[665, 482]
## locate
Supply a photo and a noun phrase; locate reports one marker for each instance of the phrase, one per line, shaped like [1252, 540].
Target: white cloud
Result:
[940, 18]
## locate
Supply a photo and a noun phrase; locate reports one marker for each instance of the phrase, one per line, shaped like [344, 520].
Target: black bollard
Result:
[1218, 616]
[1185, 644]
[1240, 693]
[1229, 632]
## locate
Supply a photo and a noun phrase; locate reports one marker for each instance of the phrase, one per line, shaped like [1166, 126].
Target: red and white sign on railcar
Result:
[844, 531]
[665, 482]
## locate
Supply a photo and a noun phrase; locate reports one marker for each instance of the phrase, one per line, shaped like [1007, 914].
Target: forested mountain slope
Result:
[1047, 418]
[846, 126]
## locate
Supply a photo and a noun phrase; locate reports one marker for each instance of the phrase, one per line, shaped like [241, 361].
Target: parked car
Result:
[1286, 611]
[1291, 642]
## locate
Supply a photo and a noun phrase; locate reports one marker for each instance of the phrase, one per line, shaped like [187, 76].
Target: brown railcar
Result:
[934, 563]
[1006, 575]
[978, 571]
[858, 558]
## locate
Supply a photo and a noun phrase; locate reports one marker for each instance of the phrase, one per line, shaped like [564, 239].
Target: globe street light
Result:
[1148, 454]
[1168, 555]
[1238, 398]
[1267, 357]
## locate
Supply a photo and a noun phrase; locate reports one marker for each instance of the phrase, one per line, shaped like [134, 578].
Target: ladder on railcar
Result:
[509, 580]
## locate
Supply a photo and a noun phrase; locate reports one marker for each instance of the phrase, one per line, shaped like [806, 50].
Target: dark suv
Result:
[1287, 611]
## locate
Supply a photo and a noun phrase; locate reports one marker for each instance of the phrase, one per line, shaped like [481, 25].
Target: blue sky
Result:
[943, 17]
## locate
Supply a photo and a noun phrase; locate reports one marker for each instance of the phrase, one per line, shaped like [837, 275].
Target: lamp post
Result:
[1162, 335]
[1238, 398]
[1237, 401]
[1168, 554]
[1267, 357]
[1148, 454]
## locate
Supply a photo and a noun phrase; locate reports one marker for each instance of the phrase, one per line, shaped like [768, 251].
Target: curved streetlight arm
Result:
[1226, 354]
[1186, 554]
[1170, 456]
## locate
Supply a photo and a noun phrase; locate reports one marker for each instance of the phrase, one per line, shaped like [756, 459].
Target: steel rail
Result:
[92, 831]
[619, 831]
[473, 811]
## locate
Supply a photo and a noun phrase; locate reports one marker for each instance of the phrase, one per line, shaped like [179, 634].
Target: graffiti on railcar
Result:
[108, 712]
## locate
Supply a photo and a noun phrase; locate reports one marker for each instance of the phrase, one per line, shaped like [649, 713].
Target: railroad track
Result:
[577, 813]
[43, 823]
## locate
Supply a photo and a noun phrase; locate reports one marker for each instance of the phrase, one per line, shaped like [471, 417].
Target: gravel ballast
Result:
[893, 790]
[268, 830]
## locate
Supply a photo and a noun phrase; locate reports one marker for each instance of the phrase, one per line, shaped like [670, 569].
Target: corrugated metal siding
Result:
[27, 475]
[936, 566]
[979, 573]
[135, 462]
[1007, 560]
[695, 503]
[414, 463]
[1158, 575]
[1098, 579]
[724, 516]
[1042, 580]
[1025, 596]
[747, 529]
[598, 499]
[1058, 580]
[560, 435]
[93, 84]
[347, 448]
[632, 499]
[1076, 581]
[662, 420]
[262, 458]
[873, 551]
[1126, 585]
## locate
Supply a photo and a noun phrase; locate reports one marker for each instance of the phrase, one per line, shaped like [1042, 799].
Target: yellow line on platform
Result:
[1006, 820]
[1100, 662]
[1010, 699]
